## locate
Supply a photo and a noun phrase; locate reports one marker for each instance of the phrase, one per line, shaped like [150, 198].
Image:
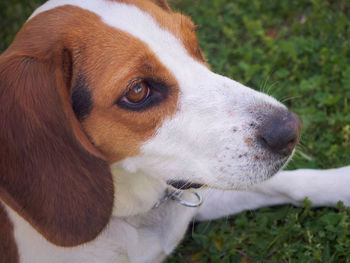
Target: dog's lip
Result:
[183, 185]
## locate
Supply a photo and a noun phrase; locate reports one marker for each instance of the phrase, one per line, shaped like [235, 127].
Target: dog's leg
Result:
[322, 187]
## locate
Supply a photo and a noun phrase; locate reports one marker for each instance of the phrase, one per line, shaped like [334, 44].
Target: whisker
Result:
[304, 155]
[264, 85]
[271, 86]
[290, 98]
[262, 88]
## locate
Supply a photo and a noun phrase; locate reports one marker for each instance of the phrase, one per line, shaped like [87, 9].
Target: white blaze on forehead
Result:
[139, 24]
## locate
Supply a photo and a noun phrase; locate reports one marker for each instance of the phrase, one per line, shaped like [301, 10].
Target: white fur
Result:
[201, 143]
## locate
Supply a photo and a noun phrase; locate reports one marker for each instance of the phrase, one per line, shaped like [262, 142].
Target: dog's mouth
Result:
[183, 185]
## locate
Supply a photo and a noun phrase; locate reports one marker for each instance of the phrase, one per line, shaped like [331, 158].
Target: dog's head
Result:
[91, 83]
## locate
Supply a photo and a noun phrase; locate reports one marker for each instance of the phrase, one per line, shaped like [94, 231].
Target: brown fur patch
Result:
[52, 168]
[117, 133]
[8, 246]
[49, 171]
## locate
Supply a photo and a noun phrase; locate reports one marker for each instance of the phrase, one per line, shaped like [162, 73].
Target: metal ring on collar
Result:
[186, 203]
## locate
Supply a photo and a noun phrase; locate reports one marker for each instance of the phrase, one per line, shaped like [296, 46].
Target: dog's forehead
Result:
[164, 32]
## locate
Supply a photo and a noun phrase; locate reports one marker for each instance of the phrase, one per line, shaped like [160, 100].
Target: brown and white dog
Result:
[108, 106]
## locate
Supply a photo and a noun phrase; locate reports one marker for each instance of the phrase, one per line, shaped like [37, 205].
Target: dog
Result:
[115, 135]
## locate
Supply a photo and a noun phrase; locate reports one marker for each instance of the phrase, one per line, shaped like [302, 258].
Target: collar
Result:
[176, 195]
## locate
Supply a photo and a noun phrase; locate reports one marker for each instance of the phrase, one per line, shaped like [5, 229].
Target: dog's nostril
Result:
[292, 143]
[280, 133]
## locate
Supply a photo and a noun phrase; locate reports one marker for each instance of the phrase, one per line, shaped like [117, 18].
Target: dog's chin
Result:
[188, 185]
[260, 174]
[256, 175]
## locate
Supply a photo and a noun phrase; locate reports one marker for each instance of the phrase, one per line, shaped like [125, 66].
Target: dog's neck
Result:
[136, 193]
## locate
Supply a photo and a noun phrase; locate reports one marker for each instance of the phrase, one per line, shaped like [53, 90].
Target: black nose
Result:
[280, 132]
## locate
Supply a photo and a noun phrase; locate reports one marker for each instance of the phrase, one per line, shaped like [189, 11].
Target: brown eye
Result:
[138, 93]
[142, 94]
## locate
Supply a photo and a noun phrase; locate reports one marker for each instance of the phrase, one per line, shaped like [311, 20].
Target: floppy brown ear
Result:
[49, 172]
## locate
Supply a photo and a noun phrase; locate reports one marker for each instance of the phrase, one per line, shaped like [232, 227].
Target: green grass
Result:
[299, 52]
